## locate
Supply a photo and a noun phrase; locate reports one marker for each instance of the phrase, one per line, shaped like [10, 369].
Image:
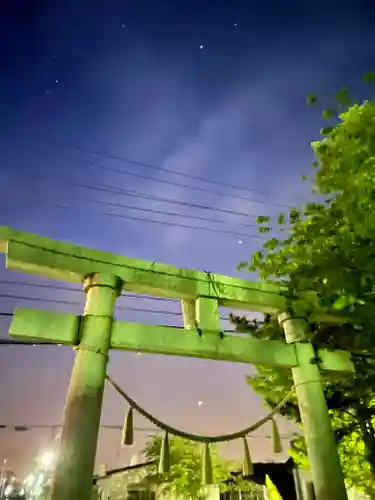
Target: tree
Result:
[184, 479]
[328, 257]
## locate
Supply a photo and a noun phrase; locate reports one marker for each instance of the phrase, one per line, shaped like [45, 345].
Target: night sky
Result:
[110, 108]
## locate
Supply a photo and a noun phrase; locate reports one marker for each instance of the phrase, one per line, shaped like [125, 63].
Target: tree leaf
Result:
[271, 244]
[329, 113]
[242, 265]
[343, 96]
[369, 77]
[311, 99]
[326, 130]
[262, 219]
[341, 303]
[294, 215]
[281, 219]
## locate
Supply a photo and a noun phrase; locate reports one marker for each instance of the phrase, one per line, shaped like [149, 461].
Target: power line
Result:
[109, 188]
[185, 186]
[159, 212]
[163, 222]
[72, 303]
[116, 190]
[72, 289]
[149, 166]
[116, 427]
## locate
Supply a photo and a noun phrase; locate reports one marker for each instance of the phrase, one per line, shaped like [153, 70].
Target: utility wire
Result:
[163, 222]
[155, 430]
[72, 289]
[148, 210]
[128, 161]
[72, 303]
[259, 235]
[113, 189]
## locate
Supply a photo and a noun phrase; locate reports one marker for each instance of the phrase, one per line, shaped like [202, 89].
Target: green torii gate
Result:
[104, 277]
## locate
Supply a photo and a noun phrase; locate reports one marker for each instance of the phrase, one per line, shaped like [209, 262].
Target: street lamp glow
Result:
[29, 480]
[47, 459]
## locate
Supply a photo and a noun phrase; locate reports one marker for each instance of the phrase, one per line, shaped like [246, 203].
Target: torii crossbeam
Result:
[105, 276]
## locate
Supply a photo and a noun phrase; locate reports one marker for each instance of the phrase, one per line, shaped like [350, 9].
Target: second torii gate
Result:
[104, 277]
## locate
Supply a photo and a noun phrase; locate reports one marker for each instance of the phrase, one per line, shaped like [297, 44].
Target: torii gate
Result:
[104, 277]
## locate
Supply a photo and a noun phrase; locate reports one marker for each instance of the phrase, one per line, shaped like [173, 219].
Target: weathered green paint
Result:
[48, 326]
[38, 255]
[208, 345]
[207, 314]
[75, 465]
[28, 323]
[325, 465]
[189, 313]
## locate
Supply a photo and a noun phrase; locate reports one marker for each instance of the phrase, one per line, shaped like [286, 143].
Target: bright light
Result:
[8, 490]
[47, 459]
[40, 478]
[29, 480]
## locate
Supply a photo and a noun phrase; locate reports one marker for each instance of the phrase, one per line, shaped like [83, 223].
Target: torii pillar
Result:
[75, 464]
[325, 467]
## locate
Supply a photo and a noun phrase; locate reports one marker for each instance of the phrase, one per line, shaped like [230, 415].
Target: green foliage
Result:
[328, 259]
[352, 454]
[369, 77]
[328, 113]
[185, 478]
[344, 98]
[311, 99]
[262, 219]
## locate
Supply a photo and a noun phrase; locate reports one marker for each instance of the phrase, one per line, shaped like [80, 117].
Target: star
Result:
[200, 402]
[53, 57]
[123, 26]
[57, 81]
[235, 25]
[240, 242]
[46, 91]
[201, 47]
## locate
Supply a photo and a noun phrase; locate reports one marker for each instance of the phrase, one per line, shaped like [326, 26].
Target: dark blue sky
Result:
[130, 81]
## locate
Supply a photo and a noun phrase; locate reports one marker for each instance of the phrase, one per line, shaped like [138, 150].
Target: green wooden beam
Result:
[188, 343]
[38, 255]
[31, 324]
[236, 348]
[63, 328]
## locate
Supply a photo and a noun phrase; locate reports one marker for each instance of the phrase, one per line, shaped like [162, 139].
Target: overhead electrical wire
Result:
[73, 303]
[128, 161]
[115, 190]
[163, 222]
[72, 289]
[110, 188]
[156, 430]
[153, 211]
